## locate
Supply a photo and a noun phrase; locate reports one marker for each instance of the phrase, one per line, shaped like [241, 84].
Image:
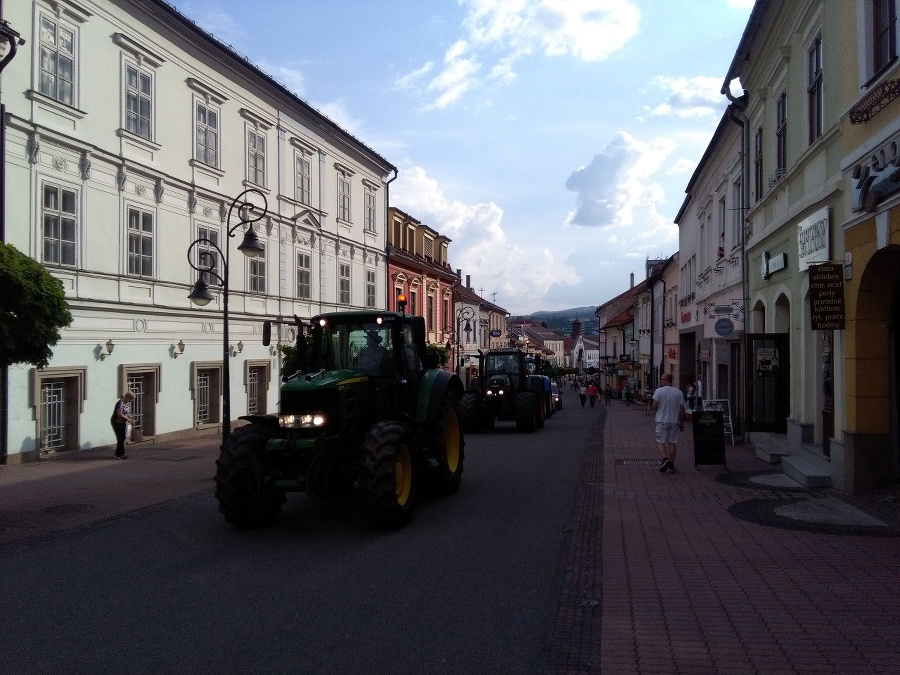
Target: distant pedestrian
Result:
[582, 394]
[120, 420]
[648, 399]
[607, 395]
[668, 403]
[592, 393]
[626, 394]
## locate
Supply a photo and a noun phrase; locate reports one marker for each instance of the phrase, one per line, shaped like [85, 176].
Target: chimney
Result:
[469, 281]
[632, 280]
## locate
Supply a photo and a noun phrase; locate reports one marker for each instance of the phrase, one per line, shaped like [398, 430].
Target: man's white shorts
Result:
[667, 432]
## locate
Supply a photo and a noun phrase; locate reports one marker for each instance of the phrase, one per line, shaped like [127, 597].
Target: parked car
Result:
[556, 396]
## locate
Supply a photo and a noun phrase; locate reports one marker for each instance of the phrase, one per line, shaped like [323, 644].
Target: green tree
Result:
[33, 309]
[436, 354]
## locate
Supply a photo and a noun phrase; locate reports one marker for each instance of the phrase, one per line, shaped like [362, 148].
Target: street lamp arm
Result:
[209, 269]
[249, 212]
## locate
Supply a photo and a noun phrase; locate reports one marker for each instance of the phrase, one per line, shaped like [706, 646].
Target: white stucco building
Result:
[129, 133]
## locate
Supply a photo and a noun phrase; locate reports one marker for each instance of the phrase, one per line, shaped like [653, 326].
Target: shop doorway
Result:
[768, 371]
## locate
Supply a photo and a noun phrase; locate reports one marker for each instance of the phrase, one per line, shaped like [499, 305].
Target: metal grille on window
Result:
[202, 392]
[53, 415]
[253, 391]
[136, 387]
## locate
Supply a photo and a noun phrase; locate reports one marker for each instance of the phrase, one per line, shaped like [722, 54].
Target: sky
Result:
[550, 140]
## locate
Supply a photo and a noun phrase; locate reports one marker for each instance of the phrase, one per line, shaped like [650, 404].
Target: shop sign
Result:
[672, 353]
[724, 327]
[773, 263]
[826, 296]
[496, 333]
[685, 317]
[767, 364]
[704, 352]
[813, 240]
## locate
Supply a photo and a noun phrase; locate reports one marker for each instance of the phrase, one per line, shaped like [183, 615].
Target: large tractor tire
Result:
[244, 498]
[448, 446]
[386, 483]
[470, 412]
[526, 405]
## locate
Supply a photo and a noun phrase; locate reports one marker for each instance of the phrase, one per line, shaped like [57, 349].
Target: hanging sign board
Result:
[813, 243]
[826, 296]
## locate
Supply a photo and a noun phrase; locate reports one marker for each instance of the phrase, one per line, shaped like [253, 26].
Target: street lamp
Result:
[200, 295]
[463, 314]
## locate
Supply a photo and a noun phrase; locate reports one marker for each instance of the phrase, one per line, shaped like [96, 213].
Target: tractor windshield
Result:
[366, 346]
[501, 363]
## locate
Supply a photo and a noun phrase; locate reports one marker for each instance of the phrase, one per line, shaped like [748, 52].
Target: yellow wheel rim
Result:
[403, 474]
[451, 441]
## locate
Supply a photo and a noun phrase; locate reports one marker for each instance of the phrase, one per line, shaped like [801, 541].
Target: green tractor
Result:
[363, 412]
[509, 386]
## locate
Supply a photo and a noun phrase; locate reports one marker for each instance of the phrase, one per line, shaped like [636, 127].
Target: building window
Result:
[370, 210]
[301, 188]
[258, 271]
[884, 30]
[304, 276]
[414, 303]
[139, 101]
[445, 315]
[398, 291]
[781, 136]
[344, 284]
[253, 391]
[758, 165]
[343, 197]
[737, 213]
[814, 91]
[57, 72]
[430, 318]
[207, 256]
[207, 119]
[256, 158]
[722, 217]
[59, 213]
[140, 243]
[207, 393]
[370, 289]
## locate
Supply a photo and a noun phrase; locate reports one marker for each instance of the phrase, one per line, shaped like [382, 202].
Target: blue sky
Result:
[551, 140]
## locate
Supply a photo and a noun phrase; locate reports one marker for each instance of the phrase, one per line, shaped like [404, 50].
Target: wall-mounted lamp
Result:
[237, 349]
[178, 349]
[107, 349]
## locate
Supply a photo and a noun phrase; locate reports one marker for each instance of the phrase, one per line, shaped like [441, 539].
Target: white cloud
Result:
[480, 247]
[682, 166]
[409, 80]
[616, 184]
[500, 32]
[691, 97]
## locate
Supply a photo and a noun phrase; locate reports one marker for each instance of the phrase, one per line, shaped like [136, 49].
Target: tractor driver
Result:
[374, 358]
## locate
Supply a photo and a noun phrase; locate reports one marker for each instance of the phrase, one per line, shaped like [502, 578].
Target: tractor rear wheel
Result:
[386, 482]
[244, 498]
[469, 412]
[525, 411]
[448, 446]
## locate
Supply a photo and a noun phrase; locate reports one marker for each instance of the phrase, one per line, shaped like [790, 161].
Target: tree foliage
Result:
[436, 354]
[33, 309]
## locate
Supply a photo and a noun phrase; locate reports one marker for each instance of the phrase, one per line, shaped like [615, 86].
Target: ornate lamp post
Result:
[464, 316]
[200, 295]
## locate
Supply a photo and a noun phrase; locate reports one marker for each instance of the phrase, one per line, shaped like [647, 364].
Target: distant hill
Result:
[560, 321]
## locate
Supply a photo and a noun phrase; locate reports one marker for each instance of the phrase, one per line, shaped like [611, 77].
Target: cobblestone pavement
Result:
[705, 571]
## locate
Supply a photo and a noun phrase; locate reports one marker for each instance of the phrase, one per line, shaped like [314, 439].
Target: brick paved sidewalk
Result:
[74, 490]
[687, 587]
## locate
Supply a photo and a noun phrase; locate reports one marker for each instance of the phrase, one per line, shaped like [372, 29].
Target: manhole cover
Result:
[64, 509]
[637, 462]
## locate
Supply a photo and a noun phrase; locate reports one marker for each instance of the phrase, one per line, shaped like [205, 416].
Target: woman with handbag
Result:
[121, 419]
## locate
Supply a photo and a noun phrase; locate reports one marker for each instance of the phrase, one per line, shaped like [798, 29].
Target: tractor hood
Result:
[326, 379]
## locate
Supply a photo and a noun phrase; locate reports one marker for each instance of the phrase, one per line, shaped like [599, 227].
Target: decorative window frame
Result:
[260, 125]
[44, 180]
[212, 98]
[266, 365]
[71, 15]
[142, 208]
[146, 59]
[196, 367]
[340, 280]
[297, 269]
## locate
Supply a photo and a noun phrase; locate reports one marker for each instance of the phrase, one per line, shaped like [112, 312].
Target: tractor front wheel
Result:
[386, 481]
[448, 446]
[244, 497]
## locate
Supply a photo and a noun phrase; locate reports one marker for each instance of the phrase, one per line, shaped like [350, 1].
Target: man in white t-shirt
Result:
[668, 403]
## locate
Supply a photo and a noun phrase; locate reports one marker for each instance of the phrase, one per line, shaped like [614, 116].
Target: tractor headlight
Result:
[302, 421]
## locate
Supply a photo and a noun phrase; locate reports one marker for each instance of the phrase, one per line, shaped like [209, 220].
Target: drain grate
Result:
[637, 462]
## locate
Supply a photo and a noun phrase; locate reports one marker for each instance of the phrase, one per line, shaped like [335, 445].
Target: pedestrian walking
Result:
[582, 394]
[121, 419]
[648, 399]
[607, 395]
[626, 394]
[668, 403]
[592, 393]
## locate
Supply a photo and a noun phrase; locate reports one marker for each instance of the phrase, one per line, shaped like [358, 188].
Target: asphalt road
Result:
[470, 586]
